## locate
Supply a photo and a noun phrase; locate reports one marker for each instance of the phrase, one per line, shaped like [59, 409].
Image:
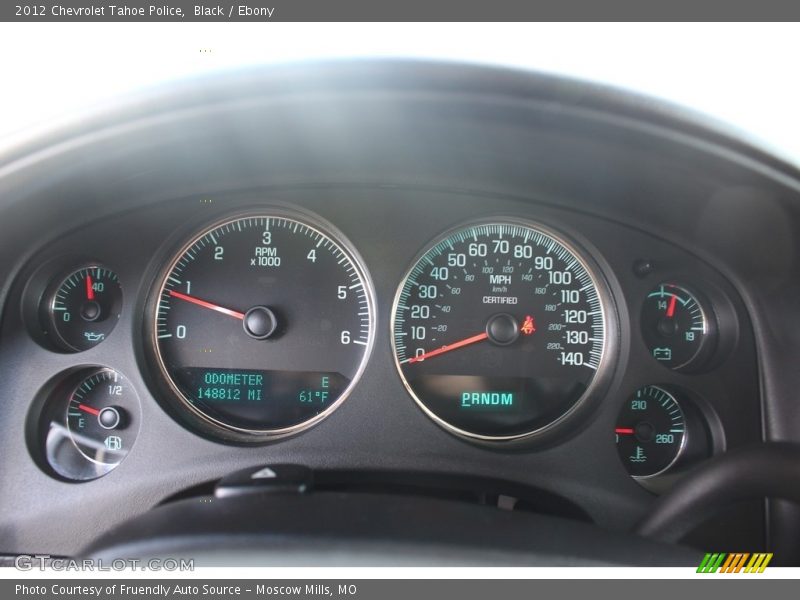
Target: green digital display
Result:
[230, 385]
[262, 396]
[319, 394]
[487, 400]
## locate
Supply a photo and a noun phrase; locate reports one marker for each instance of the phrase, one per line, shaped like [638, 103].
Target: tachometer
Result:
[501, 329]
[263, 324]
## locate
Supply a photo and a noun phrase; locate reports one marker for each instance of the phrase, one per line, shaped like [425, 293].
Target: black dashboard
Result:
[667, 333]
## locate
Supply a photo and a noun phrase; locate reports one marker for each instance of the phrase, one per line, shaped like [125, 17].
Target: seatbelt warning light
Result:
[528, 326]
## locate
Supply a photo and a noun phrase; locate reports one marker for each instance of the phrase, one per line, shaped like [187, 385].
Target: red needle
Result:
[204, 304]
[453, 346]
[624, 430]
[671, 307]
[89, 288]
[89, 409]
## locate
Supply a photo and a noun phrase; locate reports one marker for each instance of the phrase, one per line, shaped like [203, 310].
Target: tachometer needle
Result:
[209, 305]
[89, 409]
[89, 288]
[454, 346]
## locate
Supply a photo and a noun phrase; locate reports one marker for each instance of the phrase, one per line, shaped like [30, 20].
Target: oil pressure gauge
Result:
[678, 327]
[80, 310]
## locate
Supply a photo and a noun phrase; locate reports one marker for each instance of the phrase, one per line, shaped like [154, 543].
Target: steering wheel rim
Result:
[770, 470]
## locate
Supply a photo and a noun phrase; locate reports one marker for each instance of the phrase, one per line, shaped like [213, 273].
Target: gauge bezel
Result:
[50, 408]
[69, 397]
[48, 312]
[707, 346]
[684, 437]
[184, 409]
[611, 343]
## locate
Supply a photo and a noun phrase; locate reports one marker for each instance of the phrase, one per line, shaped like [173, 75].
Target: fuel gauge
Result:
[92, 427]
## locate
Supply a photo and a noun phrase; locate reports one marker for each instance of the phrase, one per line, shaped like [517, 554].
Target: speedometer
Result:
[501, 329]
[261, 325]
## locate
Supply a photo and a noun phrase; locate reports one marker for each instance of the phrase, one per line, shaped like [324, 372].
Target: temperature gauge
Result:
[93, 426]
[81, 310]
[678, 330]
[650, 431]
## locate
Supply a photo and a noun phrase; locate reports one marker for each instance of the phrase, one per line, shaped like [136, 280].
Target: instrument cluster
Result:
[253, 324]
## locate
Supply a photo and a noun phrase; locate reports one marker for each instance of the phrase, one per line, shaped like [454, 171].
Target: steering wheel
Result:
[771, 469]
[280, 520]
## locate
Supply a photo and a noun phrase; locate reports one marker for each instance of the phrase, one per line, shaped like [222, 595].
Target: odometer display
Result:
[500, 330]
[263, 324]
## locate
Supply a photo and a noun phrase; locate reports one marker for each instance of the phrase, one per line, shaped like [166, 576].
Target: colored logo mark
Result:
[735, 562]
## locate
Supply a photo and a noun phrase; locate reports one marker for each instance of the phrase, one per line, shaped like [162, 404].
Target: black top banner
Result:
[404, 10]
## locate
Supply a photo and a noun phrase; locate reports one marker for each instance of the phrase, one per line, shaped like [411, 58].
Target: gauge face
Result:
[676, 328]
[84, 308]
[263, 325]
[95, 426]
[500, 330]
[650, 431]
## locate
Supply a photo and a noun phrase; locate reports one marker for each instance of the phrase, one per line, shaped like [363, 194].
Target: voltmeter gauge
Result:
[650, 432]
[679, 330]
[82, 309]
[93, 423]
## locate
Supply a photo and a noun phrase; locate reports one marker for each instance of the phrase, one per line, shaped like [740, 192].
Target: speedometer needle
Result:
[209, 305]
[454, 346]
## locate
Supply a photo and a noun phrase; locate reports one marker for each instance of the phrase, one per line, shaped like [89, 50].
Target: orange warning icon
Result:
[528, 326]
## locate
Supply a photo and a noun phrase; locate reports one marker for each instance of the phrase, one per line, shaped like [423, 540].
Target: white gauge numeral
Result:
[543, 263]
[456, 260]
[428, 291]
[420, 311]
